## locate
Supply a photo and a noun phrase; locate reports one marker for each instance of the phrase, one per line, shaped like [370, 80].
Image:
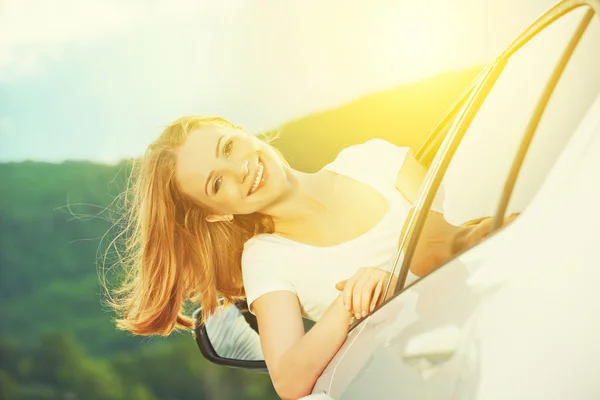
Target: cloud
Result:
[34, 33]
[131, 66]
[7, 127]
[8, 135]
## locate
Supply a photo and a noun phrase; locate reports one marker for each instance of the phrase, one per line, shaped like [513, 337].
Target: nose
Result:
[238, 169]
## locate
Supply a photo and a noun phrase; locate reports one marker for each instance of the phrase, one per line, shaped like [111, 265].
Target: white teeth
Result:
[259, 173]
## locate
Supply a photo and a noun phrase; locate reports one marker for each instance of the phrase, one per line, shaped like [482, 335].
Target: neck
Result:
[302, 199]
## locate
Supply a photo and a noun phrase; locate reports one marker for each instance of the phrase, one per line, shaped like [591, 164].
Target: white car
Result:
[518, 314]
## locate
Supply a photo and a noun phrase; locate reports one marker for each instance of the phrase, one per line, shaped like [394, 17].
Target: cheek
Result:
[228, 200]
[271, 152]
[279, 178]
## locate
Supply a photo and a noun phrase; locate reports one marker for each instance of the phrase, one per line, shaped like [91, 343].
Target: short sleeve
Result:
[438, 201]
[381, 159]
[262, 271]
[375, 157]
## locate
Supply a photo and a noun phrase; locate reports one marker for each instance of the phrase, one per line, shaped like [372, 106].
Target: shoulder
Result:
[260, 247]
[257, 252]
[376, 151]
[375, 156]
[265, 253]
[262, 267]
[373, 148]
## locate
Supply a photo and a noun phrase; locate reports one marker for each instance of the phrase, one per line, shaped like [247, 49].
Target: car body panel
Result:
[516, 315]
[513, 298]
[496, 312]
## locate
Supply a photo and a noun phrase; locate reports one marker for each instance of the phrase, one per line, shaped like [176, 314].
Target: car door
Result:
[502, 146]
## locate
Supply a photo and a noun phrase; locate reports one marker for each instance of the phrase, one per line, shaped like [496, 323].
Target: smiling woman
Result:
[175, 252]
[218, 213]
[245, 174]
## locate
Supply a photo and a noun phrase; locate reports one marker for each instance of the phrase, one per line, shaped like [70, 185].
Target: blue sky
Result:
[97, 80]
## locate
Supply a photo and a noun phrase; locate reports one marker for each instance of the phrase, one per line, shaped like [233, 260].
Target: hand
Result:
[363, 291]
[479, 231]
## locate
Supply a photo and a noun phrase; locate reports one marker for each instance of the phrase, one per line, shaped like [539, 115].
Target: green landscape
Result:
[58, 341]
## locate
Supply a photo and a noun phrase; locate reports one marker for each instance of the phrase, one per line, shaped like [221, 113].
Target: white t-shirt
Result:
[271, 262]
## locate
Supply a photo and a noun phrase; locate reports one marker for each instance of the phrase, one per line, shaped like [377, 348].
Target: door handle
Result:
[429, 350]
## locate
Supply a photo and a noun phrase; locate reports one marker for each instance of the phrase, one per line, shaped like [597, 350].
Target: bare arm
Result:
[435, 244]
[296, 360]
[440, 240]
[437, 237]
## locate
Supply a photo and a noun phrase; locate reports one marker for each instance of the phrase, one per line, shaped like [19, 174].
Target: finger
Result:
[340, 285]
[476, 235]
[347, 293]
[376, 293]
[510, 218]
[357, 296]
[367, 294]
[349, 288]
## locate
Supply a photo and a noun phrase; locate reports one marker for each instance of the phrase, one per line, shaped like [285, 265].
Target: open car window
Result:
[416, 164]
[575, 91]
[474, 183]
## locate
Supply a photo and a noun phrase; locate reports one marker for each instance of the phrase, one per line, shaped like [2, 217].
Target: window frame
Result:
[537, 115]
[468, 105]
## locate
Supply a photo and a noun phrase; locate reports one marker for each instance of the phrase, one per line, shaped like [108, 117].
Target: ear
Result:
[219, 218]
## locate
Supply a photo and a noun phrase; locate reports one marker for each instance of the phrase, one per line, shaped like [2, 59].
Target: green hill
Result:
[404, 116]
[52, 220]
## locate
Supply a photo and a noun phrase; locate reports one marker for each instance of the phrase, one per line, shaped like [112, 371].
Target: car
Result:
[517, 314]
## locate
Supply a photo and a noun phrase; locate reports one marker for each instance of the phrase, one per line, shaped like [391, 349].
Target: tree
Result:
[61, 362]
[9, 389]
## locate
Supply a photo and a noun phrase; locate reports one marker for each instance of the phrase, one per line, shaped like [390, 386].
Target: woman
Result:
[218, 212]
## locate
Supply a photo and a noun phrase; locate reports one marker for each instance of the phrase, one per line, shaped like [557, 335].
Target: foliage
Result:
[56, 339]
[58, 368]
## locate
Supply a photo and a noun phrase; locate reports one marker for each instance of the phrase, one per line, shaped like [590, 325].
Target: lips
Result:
[258, 178]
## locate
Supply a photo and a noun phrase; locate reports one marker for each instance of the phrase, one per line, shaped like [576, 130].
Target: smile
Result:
[258, 179]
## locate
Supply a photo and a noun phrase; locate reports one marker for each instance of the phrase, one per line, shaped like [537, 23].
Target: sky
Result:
[98, 80]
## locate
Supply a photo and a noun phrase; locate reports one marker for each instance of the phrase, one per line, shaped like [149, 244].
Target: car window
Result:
[473, 183]
[576, 90]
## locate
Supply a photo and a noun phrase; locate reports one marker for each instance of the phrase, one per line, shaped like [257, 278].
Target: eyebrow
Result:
[210, 175]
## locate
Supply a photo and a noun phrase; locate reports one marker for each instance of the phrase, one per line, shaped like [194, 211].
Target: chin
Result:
[263, 202]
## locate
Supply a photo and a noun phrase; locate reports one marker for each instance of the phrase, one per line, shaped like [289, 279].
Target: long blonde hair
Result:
[172, 253]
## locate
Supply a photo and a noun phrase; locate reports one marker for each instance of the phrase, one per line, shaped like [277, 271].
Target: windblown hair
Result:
[172, 254]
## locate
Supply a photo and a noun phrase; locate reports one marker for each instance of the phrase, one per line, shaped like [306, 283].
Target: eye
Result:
[217, 184]
[228, 148]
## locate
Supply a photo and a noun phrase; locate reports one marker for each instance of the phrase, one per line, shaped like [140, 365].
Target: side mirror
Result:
[229, 337]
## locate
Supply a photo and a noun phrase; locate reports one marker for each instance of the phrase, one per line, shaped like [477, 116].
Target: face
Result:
[230, 171]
